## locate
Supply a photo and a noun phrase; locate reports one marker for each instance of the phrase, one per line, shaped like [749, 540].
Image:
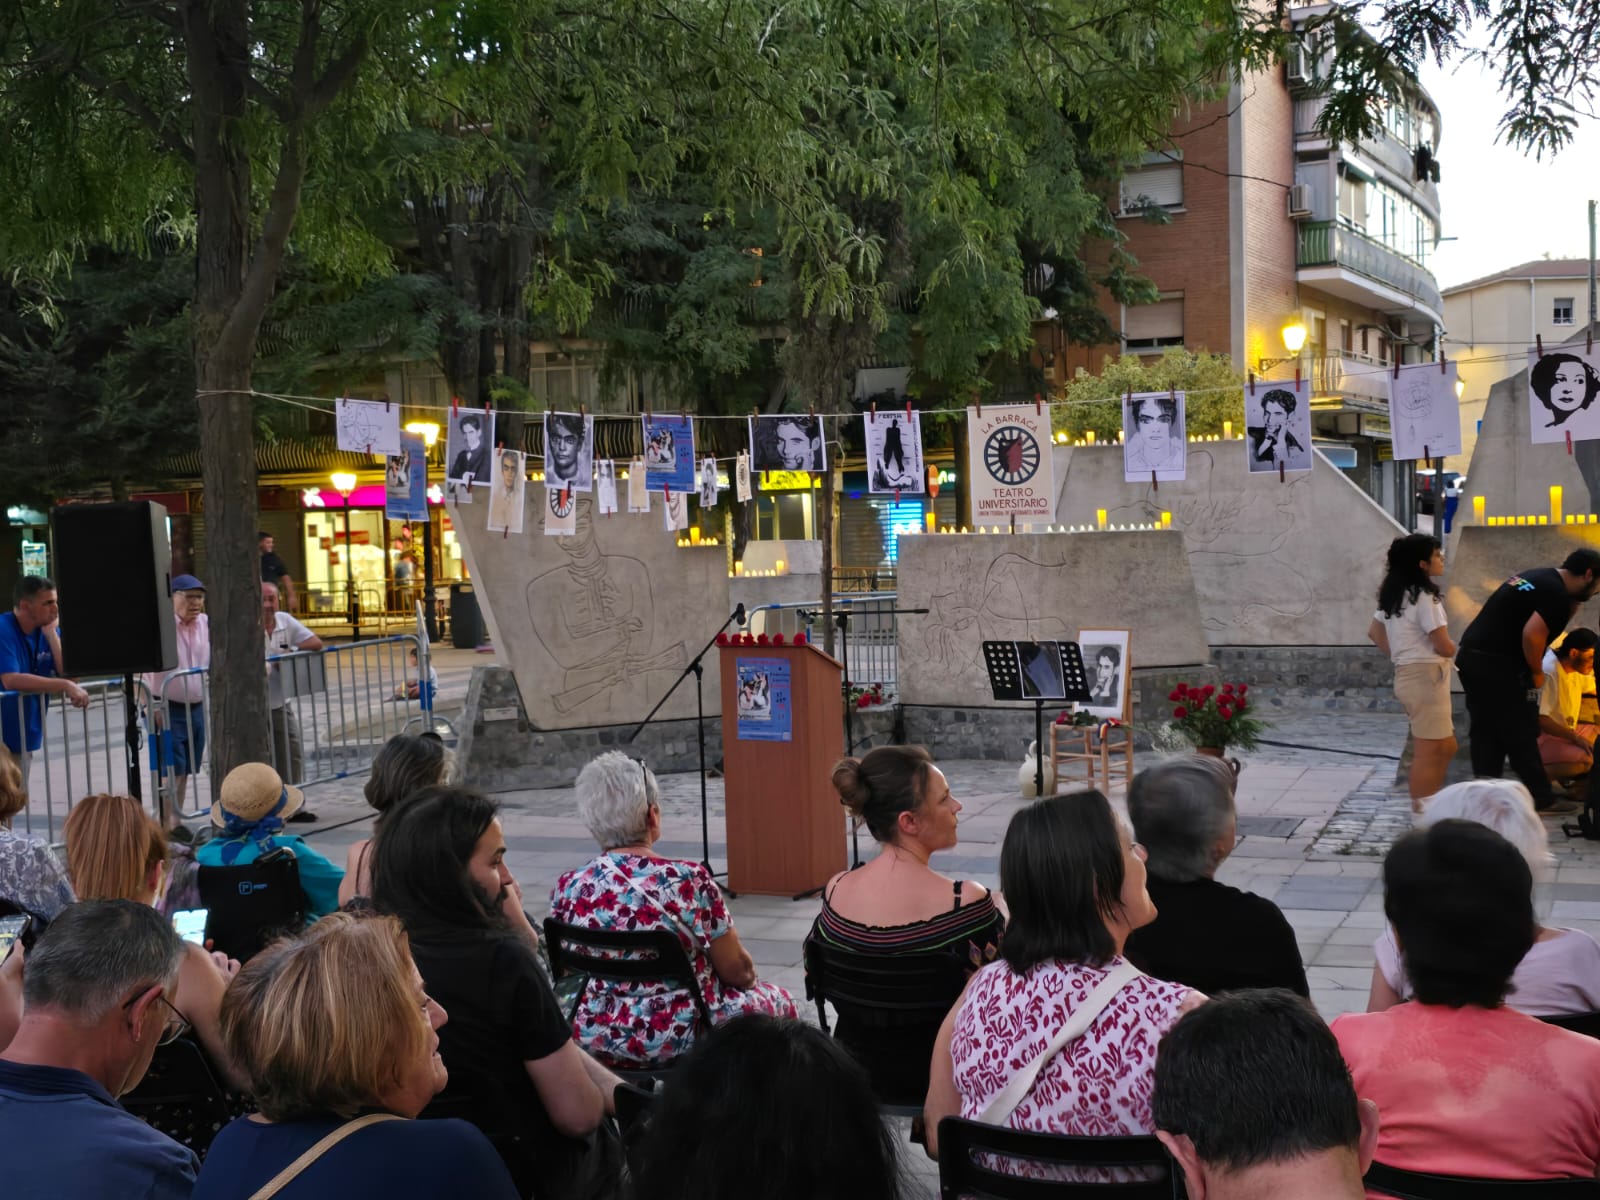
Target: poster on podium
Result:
[765, 714]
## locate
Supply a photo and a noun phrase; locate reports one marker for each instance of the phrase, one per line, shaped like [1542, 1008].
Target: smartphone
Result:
[191, 924]
[11, 930]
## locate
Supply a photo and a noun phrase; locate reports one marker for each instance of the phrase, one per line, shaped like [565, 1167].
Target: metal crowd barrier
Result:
[339, 705]
[872, 628]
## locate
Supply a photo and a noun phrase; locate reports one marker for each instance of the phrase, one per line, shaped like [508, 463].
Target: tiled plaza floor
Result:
[1316, 817]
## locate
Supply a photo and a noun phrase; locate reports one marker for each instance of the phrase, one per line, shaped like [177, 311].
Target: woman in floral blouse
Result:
[630, 887]
[30, 876]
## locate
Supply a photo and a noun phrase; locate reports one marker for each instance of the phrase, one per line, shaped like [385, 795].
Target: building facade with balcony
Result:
[1490, 322]
[1252, 220]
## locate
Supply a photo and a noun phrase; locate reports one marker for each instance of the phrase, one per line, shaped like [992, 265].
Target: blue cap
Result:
[187, 583]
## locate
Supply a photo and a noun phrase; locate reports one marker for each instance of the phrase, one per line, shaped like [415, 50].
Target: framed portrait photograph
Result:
[1105, 663]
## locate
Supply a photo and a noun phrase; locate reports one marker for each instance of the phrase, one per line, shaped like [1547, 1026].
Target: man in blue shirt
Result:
[98, 998]
[29, 658]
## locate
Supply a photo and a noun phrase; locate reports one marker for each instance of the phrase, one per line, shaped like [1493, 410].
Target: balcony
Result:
[1360, 380]
[1354, 267]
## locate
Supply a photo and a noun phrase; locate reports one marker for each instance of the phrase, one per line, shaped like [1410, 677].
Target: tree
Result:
[1094, 402]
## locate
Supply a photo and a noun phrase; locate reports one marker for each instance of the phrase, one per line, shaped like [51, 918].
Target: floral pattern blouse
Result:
[630, 1025]
[30, 876]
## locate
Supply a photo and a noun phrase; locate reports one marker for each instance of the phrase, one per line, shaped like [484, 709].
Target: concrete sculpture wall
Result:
[1295, 563]
[1486, 557]
[1037, 587]
[596, 626]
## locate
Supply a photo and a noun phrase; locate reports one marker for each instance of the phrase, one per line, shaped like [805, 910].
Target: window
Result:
[1353, 201]
[1563, 311]
[1154, 326]
[1157, 184]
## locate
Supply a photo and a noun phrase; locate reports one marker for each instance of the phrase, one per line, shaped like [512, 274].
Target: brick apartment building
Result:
[1268, 224]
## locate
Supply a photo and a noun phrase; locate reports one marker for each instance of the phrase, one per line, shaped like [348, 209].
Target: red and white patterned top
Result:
[1100, 1084]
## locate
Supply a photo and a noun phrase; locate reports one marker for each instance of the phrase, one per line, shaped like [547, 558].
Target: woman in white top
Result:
[1409, 627]
[1560, 974]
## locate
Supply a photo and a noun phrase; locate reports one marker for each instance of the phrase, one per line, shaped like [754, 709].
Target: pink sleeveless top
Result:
[1097, 1086]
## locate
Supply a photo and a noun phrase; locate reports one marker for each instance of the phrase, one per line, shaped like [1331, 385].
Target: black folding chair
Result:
[1418, 1185]
[624, 956]
[903, 993]
[182, 1097]
[250, 905]
[968, 1166]
[1587, 1023]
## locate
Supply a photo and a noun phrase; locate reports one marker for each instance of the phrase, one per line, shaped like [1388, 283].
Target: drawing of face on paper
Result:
[560, 512]
[638, 487]
[367, 426]
[708, 483]
[675, 513]
[741, 476]
[605, 485]
[1426, 413]
[1563, 386]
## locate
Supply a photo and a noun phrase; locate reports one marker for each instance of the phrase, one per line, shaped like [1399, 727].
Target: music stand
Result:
[1036, 671]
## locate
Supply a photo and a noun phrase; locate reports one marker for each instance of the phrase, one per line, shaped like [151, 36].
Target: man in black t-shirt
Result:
[275, 571]
[1501, 659]
[515, 1072]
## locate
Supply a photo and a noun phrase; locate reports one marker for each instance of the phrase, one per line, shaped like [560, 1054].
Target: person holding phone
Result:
[115, 850]
[30, 875]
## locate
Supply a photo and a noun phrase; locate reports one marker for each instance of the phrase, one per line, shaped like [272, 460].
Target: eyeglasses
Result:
[644, 776]
[177, 1023]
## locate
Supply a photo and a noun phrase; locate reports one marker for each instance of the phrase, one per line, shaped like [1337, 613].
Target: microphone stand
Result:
[698, 671]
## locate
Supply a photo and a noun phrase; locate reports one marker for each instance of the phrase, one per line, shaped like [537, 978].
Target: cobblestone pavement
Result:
[1317, 813]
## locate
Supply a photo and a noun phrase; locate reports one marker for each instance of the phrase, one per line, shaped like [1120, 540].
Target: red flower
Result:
[1227, 689]
[1225, 712]
[1243, 688]
[1061, 718]
[1183, 690]
[1180, 712]
[777, 639]
[1177, 695]
[762, 639]
[722, 639]
[1207, 692]
[799, 639]
[863, 700]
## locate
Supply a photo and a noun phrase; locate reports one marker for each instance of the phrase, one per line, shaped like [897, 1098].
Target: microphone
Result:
[738, 614]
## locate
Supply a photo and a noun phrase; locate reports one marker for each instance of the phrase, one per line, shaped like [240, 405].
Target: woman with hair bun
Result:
[896, 904]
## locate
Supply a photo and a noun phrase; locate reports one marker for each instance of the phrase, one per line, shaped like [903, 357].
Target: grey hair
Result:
[1502, 805]
[1181, 809]
[615, 796]
[95, 953]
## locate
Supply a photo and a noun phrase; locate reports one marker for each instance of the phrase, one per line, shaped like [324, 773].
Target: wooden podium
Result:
[782, 733]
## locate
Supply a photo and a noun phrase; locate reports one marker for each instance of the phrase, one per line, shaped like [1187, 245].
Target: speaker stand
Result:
[130, 707]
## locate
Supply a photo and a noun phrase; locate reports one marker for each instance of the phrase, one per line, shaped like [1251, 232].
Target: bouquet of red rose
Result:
[1216, 717]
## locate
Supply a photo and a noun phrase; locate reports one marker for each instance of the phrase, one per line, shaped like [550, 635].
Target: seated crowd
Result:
[415, 1044]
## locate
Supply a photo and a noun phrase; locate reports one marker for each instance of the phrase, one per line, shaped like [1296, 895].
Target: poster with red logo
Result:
[1010, 466]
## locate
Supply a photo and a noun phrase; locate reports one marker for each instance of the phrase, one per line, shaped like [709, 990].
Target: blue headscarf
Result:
[236, 829]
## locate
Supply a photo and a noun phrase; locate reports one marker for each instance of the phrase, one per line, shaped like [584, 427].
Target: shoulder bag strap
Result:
[284, 1177]
[1020, 1084]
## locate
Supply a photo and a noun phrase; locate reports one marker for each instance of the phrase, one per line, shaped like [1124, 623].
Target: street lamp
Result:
[428, 429]
[344, 482]
[1294, 339]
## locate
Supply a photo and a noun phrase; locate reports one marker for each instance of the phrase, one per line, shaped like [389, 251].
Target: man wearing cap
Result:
[252, 805]
[178, 696]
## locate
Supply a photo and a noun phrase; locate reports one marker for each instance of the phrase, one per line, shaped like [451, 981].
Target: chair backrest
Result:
[882, 987]
[1587, 1023]
[626, 956]
[633, 1105]
[181, 1096]
[1418, 1185]
[250, 905]
[967, 1164]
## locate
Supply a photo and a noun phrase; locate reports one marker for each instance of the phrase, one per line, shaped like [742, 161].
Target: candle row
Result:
[1100, 527]
[1544, 519]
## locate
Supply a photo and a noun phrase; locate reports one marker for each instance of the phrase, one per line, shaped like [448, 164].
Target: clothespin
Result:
[1428, 458]
[1038, 405]
[978, 401]
[1569, 441]
[908, 410]
[1588, 339]
[1397, 368]
[1538, 345]
[1280, 472]
[1297, 374]
[874, 416]
[1442, 361]
[1155, 484]
[1252, 383]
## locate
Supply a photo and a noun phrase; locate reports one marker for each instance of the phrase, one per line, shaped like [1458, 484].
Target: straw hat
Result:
[252, 791]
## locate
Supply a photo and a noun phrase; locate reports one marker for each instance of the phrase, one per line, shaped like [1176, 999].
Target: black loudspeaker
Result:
[113, 570]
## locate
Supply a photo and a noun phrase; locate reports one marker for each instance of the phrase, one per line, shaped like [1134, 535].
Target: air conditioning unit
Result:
[1298, 65]
[1300, 200]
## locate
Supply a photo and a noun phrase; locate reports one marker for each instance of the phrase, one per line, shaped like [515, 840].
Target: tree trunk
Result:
[824, 503]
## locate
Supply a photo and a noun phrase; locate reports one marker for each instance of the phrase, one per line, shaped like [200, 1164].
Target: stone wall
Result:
[1485, 557]
[1037, 587]
[1342, 678]
[1274, 564]
[595, 626]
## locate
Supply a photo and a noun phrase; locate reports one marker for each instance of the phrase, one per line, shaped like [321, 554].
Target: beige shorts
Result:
[1423, 690]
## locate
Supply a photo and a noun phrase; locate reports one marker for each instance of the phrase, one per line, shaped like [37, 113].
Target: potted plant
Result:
[1212, 719]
